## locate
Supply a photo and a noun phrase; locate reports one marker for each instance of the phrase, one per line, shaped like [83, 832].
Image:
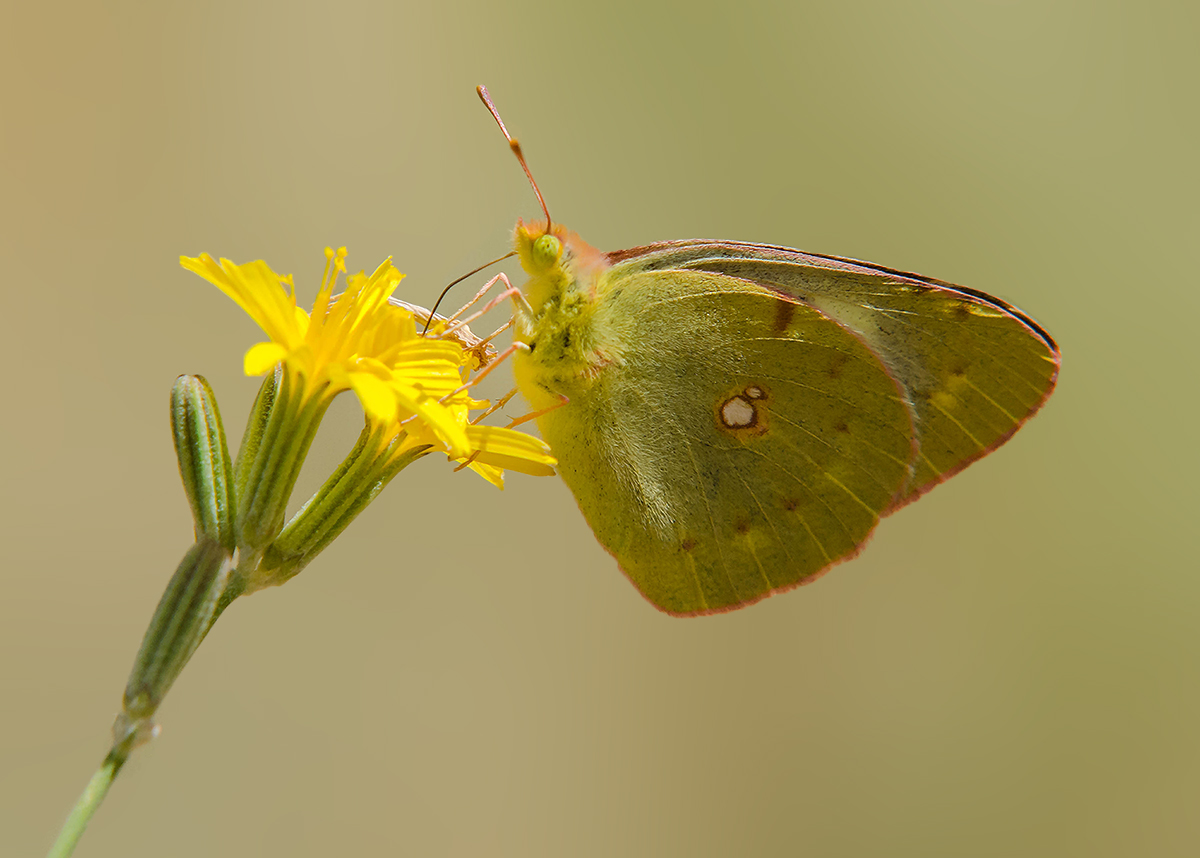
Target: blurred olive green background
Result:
[1009, 669]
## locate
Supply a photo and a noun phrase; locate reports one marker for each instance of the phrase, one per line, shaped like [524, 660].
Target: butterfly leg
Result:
[496, 406]
[496, 333]
[533, 415]
[510, 291]
[499, 278]
[483, 373]
[500, 403]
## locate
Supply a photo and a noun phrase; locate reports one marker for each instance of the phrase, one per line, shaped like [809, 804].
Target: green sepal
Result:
[359, 479]
[182, 619]
[204, 463]
[281, 428]
[255, 425]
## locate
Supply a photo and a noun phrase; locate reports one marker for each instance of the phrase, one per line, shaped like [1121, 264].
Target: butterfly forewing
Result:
[972, 368]
[740, 459]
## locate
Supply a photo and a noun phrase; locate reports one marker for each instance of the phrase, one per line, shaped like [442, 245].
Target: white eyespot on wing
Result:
[738, 413]
[744, 413]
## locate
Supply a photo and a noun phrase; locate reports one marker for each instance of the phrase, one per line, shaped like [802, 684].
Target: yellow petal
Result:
[300, 320]
[262, 357]
[372, 366]
[491, 473]
[256, 289]
[512, 450]
[440, 420]
[376, 395]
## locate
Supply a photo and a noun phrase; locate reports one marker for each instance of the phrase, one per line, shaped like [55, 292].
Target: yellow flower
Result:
[495, 449]
[359, 341]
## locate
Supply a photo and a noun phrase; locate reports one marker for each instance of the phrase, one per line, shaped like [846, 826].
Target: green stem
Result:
[89, 801]
[357, 481]
[185, 613]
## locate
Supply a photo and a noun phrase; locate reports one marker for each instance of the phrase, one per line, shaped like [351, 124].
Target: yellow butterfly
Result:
[735, 418]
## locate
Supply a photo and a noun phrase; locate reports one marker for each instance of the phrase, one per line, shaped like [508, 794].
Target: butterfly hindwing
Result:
[741, 457]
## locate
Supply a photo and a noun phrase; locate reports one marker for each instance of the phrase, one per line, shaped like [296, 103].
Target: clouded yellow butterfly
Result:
[735, 418]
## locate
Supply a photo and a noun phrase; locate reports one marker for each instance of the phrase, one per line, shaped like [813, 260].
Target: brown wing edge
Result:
[847, 264]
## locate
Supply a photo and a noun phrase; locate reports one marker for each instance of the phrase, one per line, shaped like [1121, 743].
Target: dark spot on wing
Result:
[784, 312]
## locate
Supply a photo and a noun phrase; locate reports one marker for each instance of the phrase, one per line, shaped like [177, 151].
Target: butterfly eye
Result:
[546, 251]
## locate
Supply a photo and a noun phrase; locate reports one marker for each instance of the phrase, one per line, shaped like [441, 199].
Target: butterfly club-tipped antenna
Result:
[486, 98]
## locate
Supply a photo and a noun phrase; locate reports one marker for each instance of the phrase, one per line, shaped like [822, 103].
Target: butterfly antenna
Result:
[515, 146]
[454, 283]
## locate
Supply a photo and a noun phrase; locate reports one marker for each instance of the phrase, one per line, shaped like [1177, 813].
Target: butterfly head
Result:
[557, 261]
[541, 252]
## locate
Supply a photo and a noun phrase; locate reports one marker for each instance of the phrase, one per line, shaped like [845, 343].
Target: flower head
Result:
[356, 340]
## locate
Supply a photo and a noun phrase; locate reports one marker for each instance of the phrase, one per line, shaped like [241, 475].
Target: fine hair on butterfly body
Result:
[734, 418]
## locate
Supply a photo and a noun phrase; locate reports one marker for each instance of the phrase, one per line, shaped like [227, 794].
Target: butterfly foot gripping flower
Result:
[415, 394]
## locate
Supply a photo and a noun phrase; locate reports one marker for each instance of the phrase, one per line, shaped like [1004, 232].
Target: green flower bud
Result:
[204, 464]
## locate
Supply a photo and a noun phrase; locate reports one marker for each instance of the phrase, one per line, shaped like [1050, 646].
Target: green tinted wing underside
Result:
[743, 457]
[973, 368]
